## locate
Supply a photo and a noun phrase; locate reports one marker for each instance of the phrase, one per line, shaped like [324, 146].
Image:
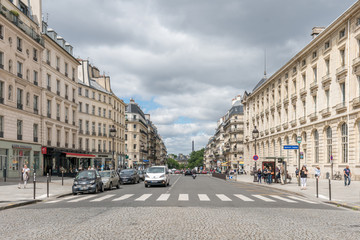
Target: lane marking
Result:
[102, 198]
[283, 199]
[126, 196]
[81, 199]
[223, 198]
[143, 197]
[264, 198]
[203, 197]
[244, 198]
[301, 199]
[183, 197]
[163, 197]
[62, 199]
[172, 185]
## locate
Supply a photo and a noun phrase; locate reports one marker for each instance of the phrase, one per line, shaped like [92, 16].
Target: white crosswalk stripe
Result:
[102, 198]
[263, 198]
[301, 199]
[163, 197]
[223, 198]
[203, 197]
[62, 199]
[81, 198]
[244, 198]
[183, 197]
[283, 199]
[126, 196]
[143, 197]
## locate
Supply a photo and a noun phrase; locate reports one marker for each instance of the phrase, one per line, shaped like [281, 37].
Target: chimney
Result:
[316, 31]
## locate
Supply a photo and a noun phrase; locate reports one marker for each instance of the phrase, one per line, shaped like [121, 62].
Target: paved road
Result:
[204, 208]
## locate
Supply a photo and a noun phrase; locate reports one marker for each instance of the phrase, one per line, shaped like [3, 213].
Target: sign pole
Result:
[299, 139]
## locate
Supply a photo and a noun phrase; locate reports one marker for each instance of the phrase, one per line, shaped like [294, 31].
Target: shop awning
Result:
[225, 164]
[79, 155]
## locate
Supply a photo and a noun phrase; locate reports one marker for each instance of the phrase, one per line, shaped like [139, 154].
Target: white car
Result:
[157, 175]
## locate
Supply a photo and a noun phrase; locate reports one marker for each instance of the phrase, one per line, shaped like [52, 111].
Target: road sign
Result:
[299, 139]
[255, 157]
[291, 147]
[301, 155]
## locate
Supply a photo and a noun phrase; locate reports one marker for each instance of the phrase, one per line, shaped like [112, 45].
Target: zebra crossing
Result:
[182, 198]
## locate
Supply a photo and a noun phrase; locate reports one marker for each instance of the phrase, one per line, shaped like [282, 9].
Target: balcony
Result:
[286, 100]
[261, 133]
[19, 106]
[262, 114]
[303, 92]
[87, 132]
[313, 116]
[66, 121]
[326, 81]
[19, 49]
[267, 111]
[81, 131]
[267, 132]
[36, 83]
[73, 123]
[58, 118]
[313, 88]
[272, 130]
[356, 102]
[341, 107]
[49, 88]
[1, 134]
[36, 111]
[355, 65]
[93, 150]
[19, 137]
[272, 108]
[66, 97]
[278, 104]
[341, 73]
[19, 75]
[285, 126]
[325, 112]
[278, 128]
[94, 133]
[302, 120]
[293, 123]
[58, 93]
[293, 98]
[58, 144]
[66, 74]
[35, 59]
[58, 69]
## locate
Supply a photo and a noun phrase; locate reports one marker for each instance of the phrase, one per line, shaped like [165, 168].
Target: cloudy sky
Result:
[184, 60]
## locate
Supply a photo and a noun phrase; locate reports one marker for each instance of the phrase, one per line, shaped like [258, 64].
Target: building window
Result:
[66, 115]
[315, 74]
[109, 113]
[316, 146]
[80, 125]
[327, 99]
[1, 92]
[48, 56]
[99, 111]
[49, 108]
[1, 60]
[327, 45]
[36, 78]
[342, 33]
[35, 54]
[58, 87]
[19, 69]
[35, 132]
[19, 129]
[80, 143]
[344, 142]
[87, 108]
[48, 82]
[314, 54]
[36, 104]
[327, 65]
[329, 143]
[80, 91]
[342, 86]
[93, 95]
[315, 103]
[134, 126]
[86, 93]
[134, 136]
[93, 127]
[342, 57]
[19, 98]
[99, 128]
[99, 145]
[57, 63]
[19, 44]
[66, 70]
[73, 74]
[1, 32]
[1, 126]
[104, 112]
[93, 110]
[58, 112]
[10, 66]
[134, 146]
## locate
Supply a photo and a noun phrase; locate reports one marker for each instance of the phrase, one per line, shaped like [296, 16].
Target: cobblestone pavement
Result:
[178, 223]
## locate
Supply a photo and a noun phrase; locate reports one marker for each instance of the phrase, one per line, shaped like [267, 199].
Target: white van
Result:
[157, 175]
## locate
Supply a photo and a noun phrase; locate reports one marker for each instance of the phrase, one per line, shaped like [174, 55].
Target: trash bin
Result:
[327, 175]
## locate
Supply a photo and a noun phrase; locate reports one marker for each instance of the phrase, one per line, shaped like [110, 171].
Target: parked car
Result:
[177, 172]
[87, 181]
[129, 176]
[203, 172]
[188, 173]
[157, 175]
[141, 175]
[110, 179]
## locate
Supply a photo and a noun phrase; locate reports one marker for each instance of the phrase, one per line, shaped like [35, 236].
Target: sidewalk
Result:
[11, 196]
[348, 196]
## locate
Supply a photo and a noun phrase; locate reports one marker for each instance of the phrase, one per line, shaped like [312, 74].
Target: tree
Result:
[172, 163]
[196, 159]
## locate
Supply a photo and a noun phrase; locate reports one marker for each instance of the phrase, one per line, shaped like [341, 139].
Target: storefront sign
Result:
[16, 146]
[44, 150]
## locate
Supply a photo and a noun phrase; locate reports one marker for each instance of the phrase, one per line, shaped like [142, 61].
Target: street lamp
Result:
[142, 155]
[112, 133]
[255, 135]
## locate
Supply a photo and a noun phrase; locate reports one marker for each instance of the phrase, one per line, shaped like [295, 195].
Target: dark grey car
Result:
[129, 176]
[88, 181]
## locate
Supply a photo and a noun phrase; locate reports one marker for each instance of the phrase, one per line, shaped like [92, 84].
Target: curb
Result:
[14, 205]
[352, 207]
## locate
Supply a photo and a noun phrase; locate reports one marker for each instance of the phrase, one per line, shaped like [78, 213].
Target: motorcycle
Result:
[194, 175]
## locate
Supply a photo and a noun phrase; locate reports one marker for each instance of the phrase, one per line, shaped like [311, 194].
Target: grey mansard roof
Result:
[134, 108]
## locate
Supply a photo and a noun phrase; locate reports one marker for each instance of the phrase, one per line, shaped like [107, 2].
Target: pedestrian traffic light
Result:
[301, 155]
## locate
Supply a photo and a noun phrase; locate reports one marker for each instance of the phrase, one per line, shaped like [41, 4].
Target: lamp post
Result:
[142, 156]
[112, 133]
[255, 135]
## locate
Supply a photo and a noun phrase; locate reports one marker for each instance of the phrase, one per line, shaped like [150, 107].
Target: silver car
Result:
[110, 179]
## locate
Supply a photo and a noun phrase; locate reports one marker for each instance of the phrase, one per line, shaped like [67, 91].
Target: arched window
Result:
[329, 143]
[316, 146]
[344, 142]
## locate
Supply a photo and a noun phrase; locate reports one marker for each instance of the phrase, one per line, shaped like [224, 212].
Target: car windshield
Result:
[86, 174]
[156, 170]
[127, 172]
[105, 174]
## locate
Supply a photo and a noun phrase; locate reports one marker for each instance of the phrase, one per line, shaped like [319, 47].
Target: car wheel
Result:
[110, 186]
[138, 181]
[168, 183]
[96, 189]
[146, 185]
[102, 188]
[118, 185]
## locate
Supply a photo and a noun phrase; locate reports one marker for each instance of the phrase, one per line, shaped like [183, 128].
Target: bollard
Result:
[4, 174]
[62, 178]
[47, 184]
[34, 185]
[329, 189]
[50, 175]
[317, 187]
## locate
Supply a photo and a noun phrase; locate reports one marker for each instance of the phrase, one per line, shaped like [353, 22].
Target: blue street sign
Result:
[145, 160]
[291, 147]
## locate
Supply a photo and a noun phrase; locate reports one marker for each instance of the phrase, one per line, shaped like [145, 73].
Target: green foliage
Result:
[172, 163]
[15, 13]
[196, 159]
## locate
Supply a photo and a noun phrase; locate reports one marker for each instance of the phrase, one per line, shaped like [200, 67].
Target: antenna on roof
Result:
[265, 63]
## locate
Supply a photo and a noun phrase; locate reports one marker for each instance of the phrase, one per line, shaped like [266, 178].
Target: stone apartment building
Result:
[315, 96]
[225, 149]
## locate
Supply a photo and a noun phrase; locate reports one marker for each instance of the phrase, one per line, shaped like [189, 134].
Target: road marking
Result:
[163, 197]
[301, 199]
[283, 199]
[223, 198]
[143, 197]
[61, 199]
[102, 198]
[203, 197]
[126, 196]
[81, 199]
[172, 185]
[264, 198]
[244, 198]
[183, 197]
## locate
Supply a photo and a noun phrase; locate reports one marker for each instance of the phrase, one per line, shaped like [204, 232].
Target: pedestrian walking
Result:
[265, 174]
[270, 175]
[347, 175]
[282, 174]
[259, 175]
[25, 173]
[317, 172]
[303, 177]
